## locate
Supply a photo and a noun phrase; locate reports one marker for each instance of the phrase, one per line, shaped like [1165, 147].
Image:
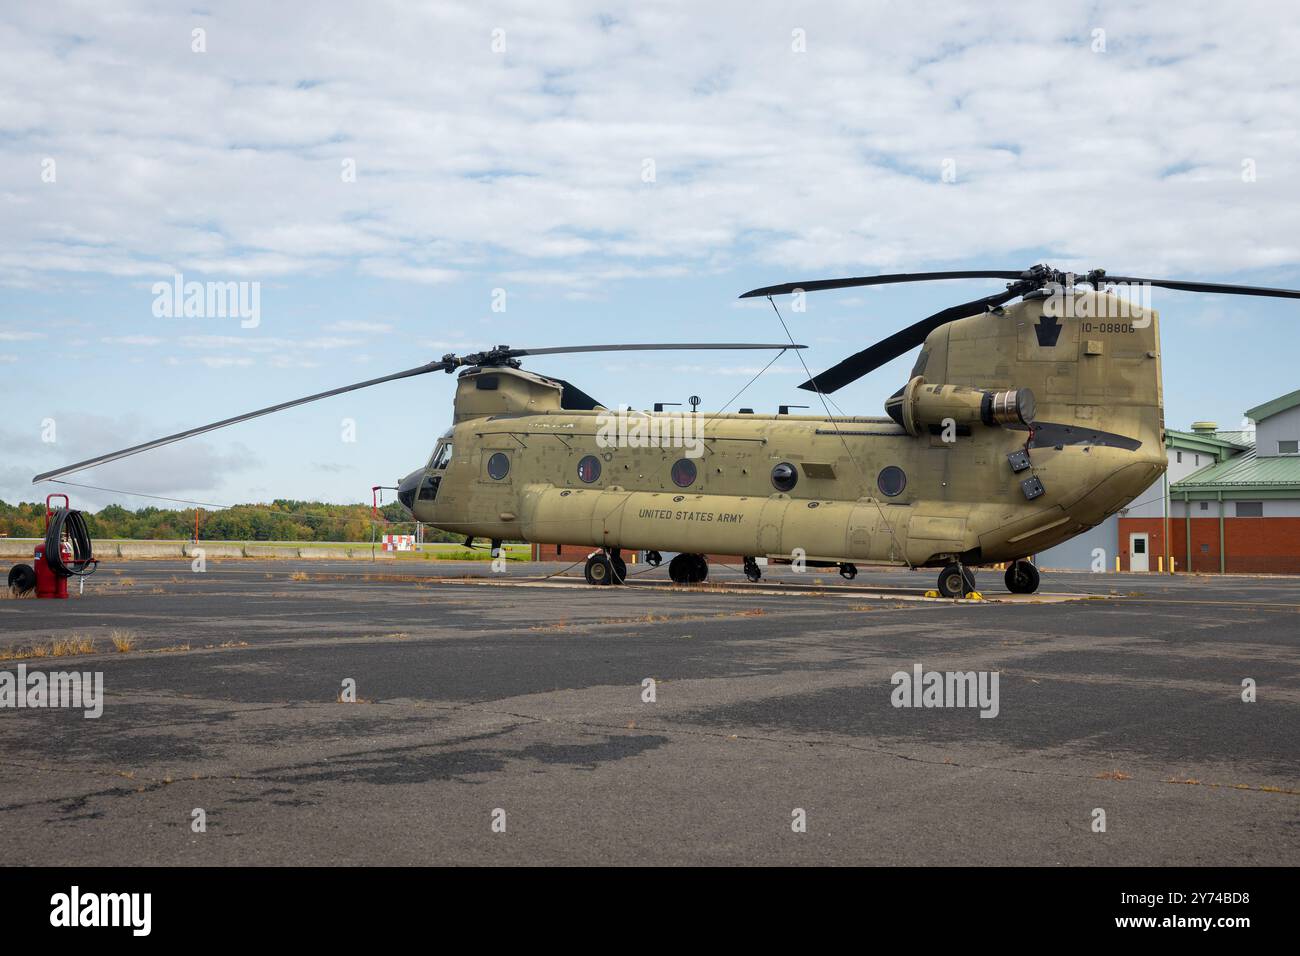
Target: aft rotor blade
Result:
[900, 343]
[188, 433]
[654, 347]
[819, 285]
[1213, 287]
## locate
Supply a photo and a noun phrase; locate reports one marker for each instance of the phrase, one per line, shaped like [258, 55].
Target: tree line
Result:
[281, 520]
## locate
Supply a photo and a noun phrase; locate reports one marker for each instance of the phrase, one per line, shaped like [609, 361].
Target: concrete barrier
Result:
[215, 550]
[269, 551]
[13, 549]
[148, 549]
[17, 547]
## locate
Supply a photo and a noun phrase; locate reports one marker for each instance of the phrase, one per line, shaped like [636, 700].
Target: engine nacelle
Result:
[919, 406]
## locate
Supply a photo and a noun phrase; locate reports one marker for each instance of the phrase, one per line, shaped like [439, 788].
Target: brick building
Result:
[1244, 505]
[1241, 487]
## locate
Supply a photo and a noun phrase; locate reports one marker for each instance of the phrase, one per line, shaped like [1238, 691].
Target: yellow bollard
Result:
[1160, 564]
[1117, 564]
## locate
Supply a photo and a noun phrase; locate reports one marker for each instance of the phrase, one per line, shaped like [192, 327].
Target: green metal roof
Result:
[1241, 439]
[1200, 441]
[1260, 412]
[1245, 472]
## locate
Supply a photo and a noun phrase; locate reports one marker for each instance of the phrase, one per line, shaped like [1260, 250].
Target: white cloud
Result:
[427, 275]
[225, 361]
[190, 466]
[370, 328]
[231, 162]
[132, 340]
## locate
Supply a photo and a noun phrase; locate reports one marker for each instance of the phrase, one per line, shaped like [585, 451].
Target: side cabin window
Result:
[442, 456]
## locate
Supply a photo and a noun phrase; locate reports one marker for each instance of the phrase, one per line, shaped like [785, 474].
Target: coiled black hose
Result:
[74, 522]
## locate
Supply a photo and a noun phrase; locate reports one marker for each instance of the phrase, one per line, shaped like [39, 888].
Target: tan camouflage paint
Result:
[961, 497]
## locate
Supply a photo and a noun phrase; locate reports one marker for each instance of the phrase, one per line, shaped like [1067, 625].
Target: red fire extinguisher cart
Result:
[49, 583]
[65, 551]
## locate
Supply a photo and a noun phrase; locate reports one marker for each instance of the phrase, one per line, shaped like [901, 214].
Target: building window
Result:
[1198, 459]
[1180, 457]
[498, 466]
[1288, 448]
[1250, 509]
[1205, 506]
[589, 468]
[683, 473]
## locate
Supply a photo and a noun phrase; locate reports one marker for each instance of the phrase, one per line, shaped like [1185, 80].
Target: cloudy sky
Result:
[622, 172]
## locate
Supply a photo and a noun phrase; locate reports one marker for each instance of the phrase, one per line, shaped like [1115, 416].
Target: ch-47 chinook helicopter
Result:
[1022, 424]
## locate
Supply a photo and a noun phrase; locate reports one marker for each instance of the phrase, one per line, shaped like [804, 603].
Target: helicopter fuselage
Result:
[943, 479]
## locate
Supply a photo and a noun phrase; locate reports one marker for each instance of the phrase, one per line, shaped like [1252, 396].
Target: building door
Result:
[1138, 559]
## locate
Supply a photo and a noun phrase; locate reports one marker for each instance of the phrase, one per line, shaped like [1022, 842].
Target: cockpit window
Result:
[429, 487]
[442, 456]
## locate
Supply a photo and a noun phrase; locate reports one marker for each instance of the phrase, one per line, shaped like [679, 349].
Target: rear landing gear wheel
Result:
[1021, 577]
[688, 569]
[599, 570]
[955, 581]
[848, 571]
[752, 570]
[654, 558]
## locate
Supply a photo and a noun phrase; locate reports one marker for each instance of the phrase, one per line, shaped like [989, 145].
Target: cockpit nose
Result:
[407, 489]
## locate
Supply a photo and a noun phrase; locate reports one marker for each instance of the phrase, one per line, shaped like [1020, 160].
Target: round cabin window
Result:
[498, 466]
[891, 481]
[589, 469]
[785, 476]
[683, 473]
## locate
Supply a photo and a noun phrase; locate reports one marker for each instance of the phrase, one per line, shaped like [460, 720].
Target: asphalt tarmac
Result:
[503, 719]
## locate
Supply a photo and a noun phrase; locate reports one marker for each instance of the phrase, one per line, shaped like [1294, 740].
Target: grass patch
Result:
[123, 640]
[58, 647]
[68, 647]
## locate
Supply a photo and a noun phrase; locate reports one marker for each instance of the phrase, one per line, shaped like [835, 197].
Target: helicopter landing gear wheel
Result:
[688, 569]
[654, 558]
[752, 570]
[955, 581]
[848, 571]
[1021, 577]
[599, 570]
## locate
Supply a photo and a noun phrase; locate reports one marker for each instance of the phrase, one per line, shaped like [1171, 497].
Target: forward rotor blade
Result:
[654, 347]
[821, 284]
[1215, 287]
[157, 442]
[870, 359]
